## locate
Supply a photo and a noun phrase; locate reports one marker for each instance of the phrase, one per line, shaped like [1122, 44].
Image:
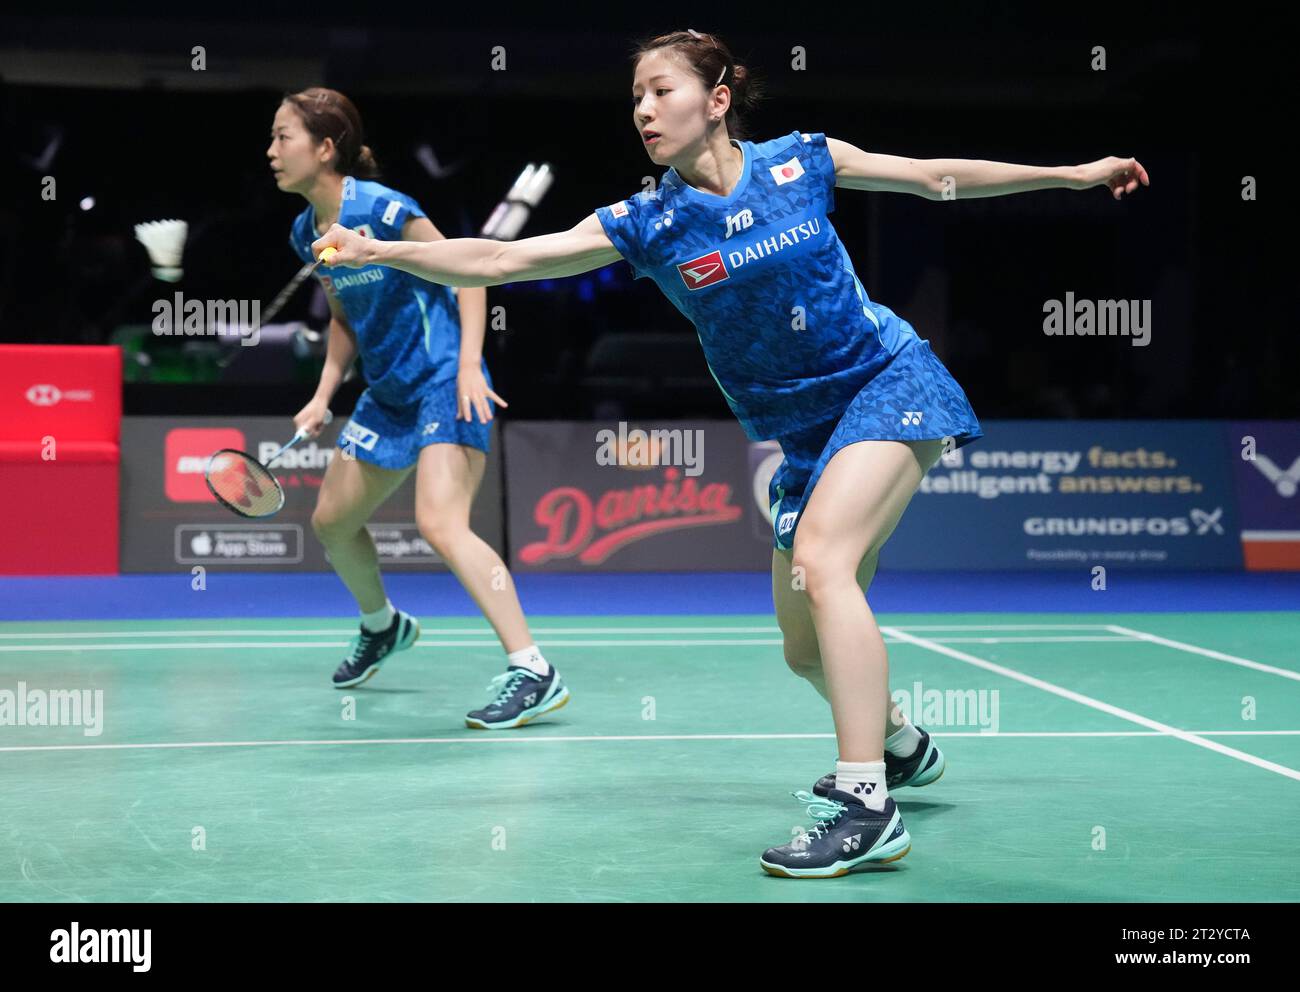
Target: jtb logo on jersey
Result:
[740, 221]
[787, 172]
[703, 271]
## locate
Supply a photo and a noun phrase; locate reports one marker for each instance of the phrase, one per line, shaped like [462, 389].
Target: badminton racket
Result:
[245, 485]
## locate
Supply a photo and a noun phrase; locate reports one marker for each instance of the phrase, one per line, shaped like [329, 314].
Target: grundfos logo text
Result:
[1201, 522]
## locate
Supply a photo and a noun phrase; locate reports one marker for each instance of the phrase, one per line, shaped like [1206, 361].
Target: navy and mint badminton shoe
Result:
[847, 834]
[521, 697]
[925, 765]
[370, 649]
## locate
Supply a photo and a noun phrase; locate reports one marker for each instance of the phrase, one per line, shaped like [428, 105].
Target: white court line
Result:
[1022, 640]
[489, 632]
[543, 642]
[205, 645]
[1002, 626]
[1097, 704]
[473, 738]
[349, 631]
[1286, 673]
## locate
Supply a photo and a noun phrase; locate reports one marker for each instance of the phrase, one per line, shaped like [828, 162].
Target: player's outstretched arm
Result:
[964, 178]
[478, 261]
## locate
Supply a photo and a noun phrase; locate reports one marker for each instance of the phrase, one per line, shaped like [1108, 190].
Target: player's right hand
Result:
[351, 248]
[312, 417]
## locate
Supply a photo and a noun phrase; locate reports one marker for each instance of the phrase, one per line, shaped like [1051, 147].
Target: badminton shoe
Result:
[370, 649]
[925, 765]
[521, 696]
[847, 834]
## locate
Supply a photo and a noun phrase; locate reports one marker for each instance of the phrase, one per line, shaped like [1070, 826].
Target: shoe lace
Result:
[822, 809]
[505, 684]
[360, 644]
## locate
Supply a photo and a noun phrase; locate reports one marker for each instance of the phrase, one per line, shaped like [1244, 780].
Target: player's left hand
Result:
[351, 248]
[1119, 175]
[472, 394]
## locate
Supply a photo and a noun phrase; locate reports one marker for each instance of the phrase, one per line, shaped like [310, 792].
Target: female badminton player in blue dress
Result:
[421, 353]
[737, 236]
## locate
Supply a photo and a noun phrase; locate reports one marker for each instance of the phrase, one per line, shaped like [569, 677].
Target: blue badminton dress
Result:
[798, 349]
[408, 337]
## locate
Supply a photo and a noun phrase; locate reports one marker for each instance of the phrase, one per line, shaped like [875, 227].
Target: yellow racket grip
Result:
[327, 254]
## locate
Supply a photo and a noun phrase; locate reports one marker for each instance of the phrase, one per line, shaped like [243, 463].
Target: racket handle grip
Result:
[302, 432]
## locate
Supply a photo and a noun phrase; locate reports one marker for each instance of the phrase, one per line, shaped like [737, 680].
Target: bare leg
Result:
[802, 653]
[857, 503]
[351, 491]
[447, 478]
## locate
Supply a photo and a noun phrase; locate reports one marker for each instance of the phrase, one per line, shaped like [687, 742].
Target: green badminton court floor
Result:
[1093, 758]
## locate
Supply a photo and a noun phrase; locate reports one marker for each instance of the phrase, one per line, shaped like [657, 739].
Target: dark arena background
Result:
[1092, 609]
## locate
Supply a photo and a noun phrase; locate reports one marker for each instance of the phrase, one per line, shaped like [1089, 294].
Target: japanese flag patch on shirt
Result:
[786, 172]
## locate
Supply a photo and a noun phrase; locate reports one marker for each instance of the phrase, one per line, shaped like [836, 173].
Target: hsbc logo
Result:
[703, 271]
[44, 394]
[738, 222]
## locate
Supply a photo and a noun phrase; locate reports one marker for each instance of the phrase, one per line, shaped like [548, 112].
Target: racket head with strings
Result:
[243, 484]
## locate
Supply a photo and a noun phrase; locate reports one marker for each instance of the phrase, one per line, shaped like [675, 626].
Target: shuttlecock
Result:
[165, 241]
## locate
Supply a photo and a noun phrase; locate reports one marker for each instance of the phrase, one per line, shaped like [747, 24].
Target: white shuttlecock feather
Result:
[165, 241]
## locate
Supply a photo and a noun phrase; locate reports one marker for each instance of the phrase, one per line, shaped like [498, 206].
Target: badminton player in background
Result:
[737, 236]
[426, 406]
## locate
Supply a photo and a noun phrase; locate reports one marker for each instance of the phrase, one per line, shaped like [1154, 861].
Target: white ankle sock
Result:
[903, 742]
[864, 780]
[529, 658]
[381, 619]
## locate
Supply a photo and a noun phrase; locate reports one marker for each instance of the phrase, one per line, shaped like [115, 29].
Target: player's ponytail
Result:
[366, 167]
[746, 93]
[329, 114]
[711, 61]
